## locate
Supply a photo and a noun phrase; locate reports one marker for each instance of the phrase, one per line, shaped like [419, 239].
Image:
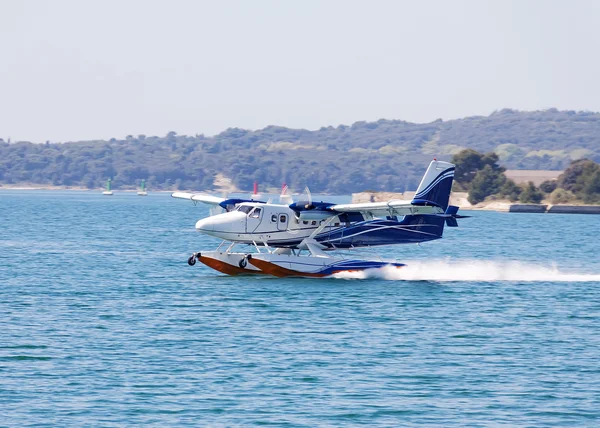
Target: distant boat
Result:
[255, 195]
[108, 190]
[143, 192]
[285, 198]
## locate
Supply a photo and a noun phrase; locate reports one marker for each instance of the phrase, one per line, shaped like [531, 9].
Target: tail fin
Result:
[436, 184]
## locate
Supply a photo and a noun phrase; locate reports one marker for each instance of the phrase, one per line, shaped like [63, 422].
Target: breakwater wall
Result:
[527, 208]
[574, 209]
[554, 209]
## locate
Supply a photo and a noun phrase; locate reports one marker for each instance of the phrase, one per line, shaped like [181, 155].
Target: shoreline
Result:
[79, 189]
[458, 199]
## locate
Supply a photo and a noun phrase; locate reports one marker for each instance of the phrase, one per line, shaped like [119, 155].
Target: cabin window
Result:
[336, 224]
[304, 222]
[282, 218]
[314, 223]
[255, 213]
[274, 218]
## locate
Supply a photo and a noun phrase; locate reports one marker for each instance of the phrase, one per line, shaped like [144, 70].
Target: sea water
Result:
[103, 323]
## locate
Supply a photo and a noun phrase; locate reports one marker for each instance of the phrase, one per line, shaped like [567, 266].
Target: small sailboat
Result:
[108, 190]
[143, 192]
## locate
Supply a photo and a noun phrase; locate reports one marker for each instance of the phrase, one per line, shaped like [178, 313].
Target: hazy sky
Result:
[73, 70]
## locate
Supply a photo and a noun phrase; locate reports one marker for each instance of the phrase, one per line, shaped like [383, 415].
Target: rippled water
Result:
[104, 324]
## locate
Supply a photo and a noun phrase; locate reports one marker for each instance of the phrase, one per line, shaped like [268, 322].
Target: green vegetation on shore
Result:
[582, 180]
[387, 155]
[481, 176]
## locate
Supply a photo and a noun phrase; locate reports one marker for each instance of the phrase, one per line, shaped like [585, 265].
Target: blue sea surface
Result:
[103, 323]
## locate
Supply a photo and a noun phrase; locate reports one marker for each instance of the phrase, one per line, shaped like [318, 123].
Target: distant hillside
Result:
[387, 155]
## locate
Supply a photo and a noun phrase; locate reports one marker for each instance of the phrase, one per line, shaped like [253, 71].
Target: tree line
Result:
[386, 155]
[483, 178]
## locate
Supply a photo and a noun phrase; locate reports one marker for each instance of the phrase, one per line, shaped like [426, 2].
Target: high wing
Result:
[389, 208]
[432, 196]
[199, 197]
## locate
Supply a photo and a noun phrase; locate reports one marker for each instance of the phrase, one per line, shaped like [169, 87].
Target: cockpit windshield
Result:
[251, 210]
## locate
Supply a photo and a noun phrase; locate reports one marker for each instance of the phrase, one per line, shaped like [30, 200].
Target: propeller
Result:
[216, 209]
[309, 205]
[226, 188]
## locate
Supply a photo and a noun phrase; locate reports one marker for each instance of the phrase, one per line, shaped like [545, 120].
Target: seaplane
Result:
[304, 238]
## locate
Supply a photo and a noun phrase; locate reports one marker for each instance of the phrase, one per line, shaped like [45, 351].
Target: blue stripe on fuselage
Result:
[412, 229]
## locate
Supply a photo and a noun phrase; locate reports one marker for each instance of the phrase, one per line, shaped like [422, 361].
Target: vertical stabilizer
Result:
[436, 184]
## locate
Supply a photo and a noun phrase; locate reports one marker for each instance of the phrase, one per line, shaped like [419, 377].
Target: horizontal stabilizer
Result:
[451, 222]
[451, 215]
[452, 210]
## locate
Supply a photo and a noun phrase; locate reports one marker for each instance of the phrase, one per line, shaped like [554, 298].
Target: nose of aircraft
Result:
[205, 225]
[222, 223]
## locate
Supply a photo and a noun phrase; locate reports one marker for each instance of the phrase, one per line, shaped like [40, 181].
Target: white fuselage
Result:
[260, 223]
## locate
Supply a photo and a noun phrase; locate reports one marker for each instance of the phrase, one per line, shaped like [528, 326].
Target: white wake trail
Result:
[470, 270]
